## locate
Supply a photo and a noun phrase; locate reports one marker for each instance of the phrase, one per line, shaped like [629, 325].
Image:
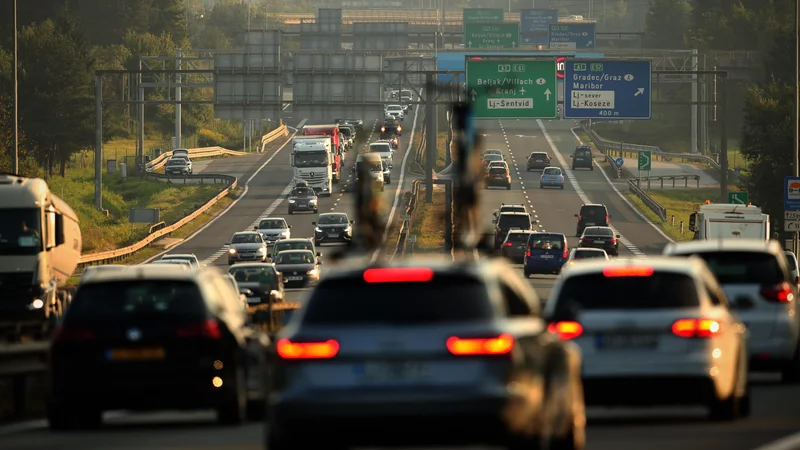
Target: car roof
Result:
[588, 250]
[295, 240]
[514, 213]
[272, 218]
[518, 231]
[733, 245]
[250, 264]
[538, 153]
[149, 272]
[439, 264]
[241, 233]
[597, 227]
[493, 150]
[690, 266]
[548, 233]
[179, 255]
[333, 214]
[593, 204]
[297, 250]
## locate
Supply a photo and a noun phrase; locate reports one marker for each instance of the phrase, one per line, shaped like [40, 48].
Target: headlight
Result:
[232, 251]
[313, 200]
[291, 201]
[348, 230]
[262, 250]
[285, 234]
[383, 129]
[318, 230]
[313, 273]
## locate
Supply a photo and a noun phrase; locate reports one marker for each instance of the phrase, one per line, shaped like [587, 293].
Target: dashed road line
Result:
[519, 177]
[575, 185]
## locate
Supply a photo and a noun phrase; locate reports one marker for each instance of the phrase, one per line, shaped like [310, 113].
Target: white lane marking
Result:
[519, 177]
[790, 442]
[634, 208]
[233, 203]
[399, 185]
[574, 182]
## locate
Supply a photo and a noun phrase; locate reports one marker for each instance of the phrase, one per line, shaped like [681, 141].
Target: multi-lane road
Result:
[776, 411]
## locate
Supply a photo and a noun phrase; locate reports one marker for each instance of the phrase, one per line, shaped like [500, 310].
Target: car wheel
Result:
[234, 408]
[591, 168]
[541, 186]
[529, 169]
[562, 186]
[573, 167]
[317, 243]
[508, 187]
[291, 211]
[791, 373]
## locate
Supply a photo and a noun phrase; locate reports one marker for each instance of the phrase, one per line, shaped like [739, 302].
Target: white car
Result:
[395, 112]
[654, 331]
[757, 279]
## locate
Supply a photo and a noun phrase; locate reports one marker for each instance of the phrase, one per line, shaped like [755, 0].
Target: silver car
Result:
[247, 246]
[190, 257]
[756, 278]
[273, 229]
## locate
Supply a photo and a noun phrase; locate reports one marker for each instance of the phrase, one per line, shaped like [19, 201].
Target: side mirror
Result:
[494, 214]
[313, 223]
[352, 222]
[693, 222]
[570, 156]
[576, 215]
[319, 254]
[227, 243]
[290, 226]
[618, 236]
[269, 255]
[494, 221]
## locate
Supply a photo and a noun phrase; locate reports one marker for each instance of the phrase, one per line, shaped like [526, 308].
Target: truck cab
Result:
[337, 145]
[311, 160]
[729, 221]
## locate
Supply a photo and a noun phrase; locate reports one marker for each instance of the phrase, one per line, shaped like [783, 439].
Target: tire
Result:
[527, 274]
[234, 409]
[562, 187]
[383, 188]
[317, 243]
[591, 168]
[508, 188]
[791, 373]
[291, 211]
[573, 167]
[389, 181]
[541, 186]
[316, 211]
[529, 169]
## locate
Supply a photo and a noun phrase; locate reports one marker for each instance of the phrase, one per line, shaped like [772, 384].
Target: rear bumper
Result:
[551, 183]
[543, 266]
[771, 354]
[538, 166]
[498, 182]
[648, 390]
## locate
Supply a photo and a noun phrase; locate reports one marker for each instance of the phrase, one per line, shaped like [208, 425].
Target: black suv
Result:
[582, 157]
[507, 221]
[538, 161]
[391, 128]
[511, 207]
[592, 215]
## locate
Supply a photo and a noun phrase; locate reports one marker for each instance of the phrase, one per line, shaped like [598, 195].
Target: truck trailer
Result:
[729, 221]
[40, 247]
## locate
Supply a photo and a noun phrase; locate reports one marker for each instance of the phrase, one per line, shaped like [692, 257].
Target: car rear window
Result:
[662, 290]
[552, 171]
[792, 261]
[538, 155]
[744, 267]
[512, 209]
[493, 157]
[545, 242]
[598, 231]
[497, 170]
[356, 302]
[586, 254]
[515, 221]
[583, 152]
[593, 211]
[119, 300]
[517, 237]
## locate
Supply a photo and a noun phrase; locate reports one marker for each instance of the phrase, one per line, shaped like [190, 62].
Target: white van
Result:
[384, 149]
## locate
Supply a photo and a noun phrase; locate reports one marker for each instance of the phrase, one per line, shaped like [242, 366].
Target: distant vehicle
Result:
[406, 97]
[294, 244]
[312, 160]
[384, 149]
[302, 198]
[586, 253]
[337, 146]
[602, 238]
[582, 157]
[178, 166]
[333, 227]
[490, 158]
[551, 177]
[507, 221]
[515, 245]
[511, 207]
[262, 280]
[546, 253]
[191, 257]
[298, 267]
[726, 221]
[498, 175]
[247, 246]
[373, 164]
[538, 161]
[395, 111]
[592, 214]
[357, 123]
[273, 229]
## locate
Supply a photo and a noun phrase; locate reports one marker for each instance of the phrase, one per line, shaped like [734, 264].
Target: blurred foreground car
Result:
[580, 254]
[654, 331]
[153, 338]
[449, 354]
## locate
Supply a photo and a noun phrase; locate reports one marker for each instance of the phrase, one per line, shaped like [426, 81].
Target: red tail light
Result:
[398, 275]
[580, 218]
[509, 244]
[613, 240]
[606, 219]
[629, 271]
[62, 333]
[586, 241]
[781, 293]
[696, 328]
[566, 253]
[500, 345]
[528, 253]
[307, 350]
[208, 329]
[566, 330]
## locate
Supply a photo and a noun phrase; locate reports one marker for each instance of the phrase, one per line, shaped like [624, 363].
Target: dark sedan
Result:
[261, 280]
[333, 227]
[298, 267]
[515, 245]
[602, 238]
[538, 161]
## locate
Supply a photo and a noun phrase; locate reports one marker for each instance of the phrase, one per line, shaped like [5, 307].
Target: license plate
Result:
[333, 235]
[622, 341]
[294, 278]
[377, 372]
[253, 300]
[599, 241]
[547, 256]
[136, 354]
[588, 224]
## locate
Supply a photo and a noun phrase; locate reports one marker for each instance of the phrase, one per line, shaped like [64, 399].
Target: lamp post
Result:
[16, 93]
[796, 158]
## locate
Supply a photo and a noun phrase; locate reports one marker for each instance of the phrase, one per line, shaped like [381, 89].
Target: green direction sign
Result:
[483, 15]
[645, 160]
[512, 89]
[738, 198]
[491, 36]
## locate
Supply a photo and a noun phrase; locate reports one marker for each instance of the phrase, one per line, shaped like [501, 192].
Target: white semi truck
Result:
[40, 247]
[729, 221]
[312, 157]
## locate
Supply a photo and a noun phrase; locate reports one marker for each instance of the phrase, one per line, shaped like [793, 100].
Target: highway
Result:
[776, 412]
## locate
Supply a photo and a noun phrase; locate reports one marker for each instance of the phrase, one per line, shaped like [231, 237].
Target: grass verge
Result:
[679, 203]
[428, 220]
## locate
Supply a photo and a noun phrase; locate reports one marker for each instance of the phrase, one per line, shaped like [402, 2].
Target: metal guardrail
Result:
[405, 228]
[624, 149]
[648, 201]
[116, 255]
[281, 131]
[673, 178]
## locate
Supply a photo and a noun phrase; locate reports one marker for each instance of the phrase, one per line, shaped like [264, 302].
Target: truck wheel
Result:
[291, 211]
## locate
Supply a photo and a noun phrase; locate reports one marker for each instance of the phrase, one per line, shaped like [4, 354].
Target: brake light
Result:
[307, 350]
[509, 244]
[613, 240]
[500, 345]
[398, 275]
[566, 330]
[566, 252]
[781, 293]
[208, 329]
[628, 271]
[580, 218]
[62, 333]
[528, 253]
[696, 328]
[586, 241]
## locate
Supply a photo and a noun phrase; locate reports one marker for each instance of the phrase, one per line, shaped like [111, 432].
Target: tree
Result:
[666, 24]
[56, 90]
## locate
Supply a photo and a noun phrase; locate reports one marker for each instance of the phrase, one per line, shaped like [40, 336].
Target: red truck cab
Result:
[336, 145]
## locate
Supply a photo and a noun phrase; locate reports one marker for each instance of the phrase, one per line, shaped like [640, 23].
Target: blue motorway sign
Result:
[607, 89]
[537, 20]
[791, 194]
[572, 36]
[619, 162]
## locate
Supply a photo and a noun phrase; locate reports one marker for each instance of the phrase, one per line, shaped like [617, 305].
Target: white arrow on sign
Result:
[646, 158]
[469, 44]
[589, 43]
[474, 94]
[547, 94]
[639, 92]
[513, 44]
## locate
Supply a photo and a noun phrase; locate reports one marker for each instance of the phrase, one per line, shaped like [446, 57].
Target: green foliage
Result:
[666, 24]
[209, 138]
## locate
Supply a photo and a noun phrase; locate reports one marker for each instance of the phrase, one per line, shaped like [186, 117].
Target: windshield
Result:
[516, 221]
[294, 257]
[662, 290]
[333, 219]
[254, 274]
[583, 152]
[598, 231]
[20, 232]
[380, 148]
[493, 157]
[298, 245]
[545, 242]
[249, 238]
[517, 237]
[161, 300]
[346, 132]
[311, 159]
[538, 156]
[744, 267]
[442, 300]
[372, 166]
[595, 212]
[302, 192]
[586, 254]
[272, 224]
[552, 171]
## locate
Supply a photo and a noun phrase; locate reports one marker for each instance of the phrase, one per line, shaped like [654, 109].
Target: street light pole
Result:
[796, 158]
[16, 93]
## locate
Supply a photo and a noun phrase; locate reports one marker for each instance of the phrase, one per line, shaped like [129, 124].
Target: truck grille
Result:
[317, 176]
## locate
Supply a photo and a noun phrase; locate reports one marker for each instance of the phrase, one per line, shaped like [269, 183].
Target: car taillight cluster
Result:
[307, 350]
[696, 328]
[499, 345]
[509, 244]
[606, 218]
[586, 241]
[613, 240]
[566, 330]
[208, 329]
[781, 293]
[566, 253]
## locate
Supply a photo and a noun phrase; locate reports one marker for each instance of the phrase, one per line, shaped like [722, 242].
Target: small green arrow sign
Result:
[491, 36]
[645, 160]
[738, 198]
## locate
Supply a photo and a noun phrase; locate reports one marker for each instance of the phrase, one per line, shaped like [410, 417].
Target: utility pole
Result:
[431, 94]
[723, 140]
[16, 92]
[178, 98]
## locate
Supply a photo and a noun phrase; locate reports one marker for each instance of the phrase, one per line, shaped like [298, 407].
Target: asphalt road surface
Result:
[776, 407]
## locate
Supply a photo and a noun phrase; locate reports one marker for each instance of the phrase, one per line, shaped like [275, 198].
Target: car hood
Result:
[329, 227]
[255, 285]
[246, 246]
[287, 269]
[302, 197]
[272, 230]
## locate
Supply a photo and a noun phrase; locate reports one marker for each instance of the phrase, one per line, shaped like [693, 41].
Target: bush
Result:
[210, 138]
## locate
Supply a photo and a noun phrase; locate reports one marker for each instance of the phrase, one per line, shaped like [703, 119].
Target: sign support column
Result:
[431, 92]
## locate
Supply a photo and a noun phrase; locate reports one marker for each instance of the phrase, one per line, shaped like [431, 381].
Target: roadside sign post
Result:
[512, 89]
[572, 36]
[791, 205]
[738, 198]
[645, 160]
[607, 89]
[491, 36]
